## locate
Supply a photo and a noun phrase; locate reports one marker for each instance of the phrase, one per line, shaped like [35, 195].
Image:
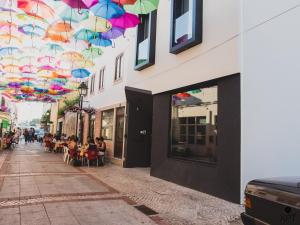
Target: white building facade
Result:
[198, 92]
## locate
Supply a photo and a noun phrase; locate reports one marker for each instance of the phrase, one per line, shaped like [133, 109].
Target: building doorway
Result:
[138, 128]
[119, 132]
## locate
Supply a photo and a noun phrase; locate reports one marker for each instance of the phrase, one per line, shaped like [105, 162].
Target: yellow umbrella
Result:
[96, 24]
[45, 74]
[11, 68]
[9, 39]
[72, 56]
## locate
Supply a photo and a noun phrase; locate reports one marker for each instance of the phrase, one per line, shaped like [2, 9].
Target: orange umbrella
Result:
[61, 27]
[57, 37]
[37, 8]
[11, 68]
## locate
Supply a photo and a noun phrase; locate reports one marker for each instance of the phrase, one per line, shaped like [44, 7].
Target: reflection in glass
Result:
[107, 124]
[183, 21]
[193, 125]
[143, 39]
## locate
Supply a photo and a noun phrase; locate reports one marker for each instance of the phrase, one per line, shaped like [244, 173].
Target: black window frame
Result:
[101, 79]
[119, 67]
[151, 41]
[197, 28]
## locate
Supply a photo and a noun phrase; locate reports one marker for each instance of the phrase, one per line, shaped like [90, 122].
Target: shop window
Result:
[119, 67]
[145, 42]
[107, 124]
[186, 24]
[101, 78]
[193, 124]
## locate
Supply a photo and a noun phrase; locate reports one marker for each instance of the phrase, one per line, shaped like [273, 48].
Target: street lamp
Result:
[83, 90]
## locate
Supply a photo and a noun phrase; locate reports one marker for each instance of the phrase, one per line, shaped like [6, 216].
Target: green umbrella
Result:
[92, 53]
[85, 34]
[142, 6]
[74, 15]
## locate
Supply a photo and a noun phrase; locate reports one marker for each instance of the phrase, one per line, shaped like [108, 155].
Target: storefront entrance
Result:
[138, 128]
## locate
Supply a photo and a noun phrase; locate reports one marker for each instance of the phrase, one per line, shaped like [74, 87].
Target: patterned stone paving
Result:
[37, 188]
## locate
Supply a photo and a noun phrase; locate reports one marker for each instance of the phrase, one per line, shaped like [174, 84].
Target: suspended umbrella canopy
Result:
[30, 29]
[36, 8]
[57, 36]
[96, 24]
[40, 90]
[45, 74]
[11, 68]
[113, 33]
[78, 4]
[6, 26]
[27, 89]
[74, 15]
[60, 27]
[124, 2]
[100, 41]
[28, 69]
[56, 87]
[80, 73]
[107, 9]
[84, 34]
[10, 39]
[9, 50]
[92, 53]
[9, 60]
[46, 67]
[46, 59]
[14, 85]
[54, 47]
[127, 20]
[72, 56]
[142, 6]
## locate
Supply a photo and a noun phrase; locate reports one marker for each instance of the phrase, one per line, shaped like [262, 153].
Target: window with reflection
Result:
[145, 42]
[107, 124]
[186, 24]
[194, 124]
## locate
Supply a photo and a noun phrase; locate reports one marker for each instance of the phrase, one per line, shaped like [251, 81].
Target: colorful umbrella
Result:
[73, 15]
[80, 73]
[142, 6]
[127, 20]
[92, 53]
[113, 33]
[72, 56]
[30, 29]
[84, 34]
[9, 50]
[36, 8]
[124, 2]
[100, 41]
[96, 24]
[78, 4]
[60, 27]
[107, 10]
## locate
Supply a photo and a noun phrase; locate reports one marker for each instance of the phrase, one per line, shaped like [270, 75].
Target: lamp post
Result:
[83, 90]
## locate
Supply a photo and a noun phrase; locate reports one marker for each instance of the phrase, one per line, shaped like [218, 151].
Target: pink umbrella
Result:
[125, 21]
[28, 69]
[78, 4]
[90, 3]
[56, 87]
[46, 67]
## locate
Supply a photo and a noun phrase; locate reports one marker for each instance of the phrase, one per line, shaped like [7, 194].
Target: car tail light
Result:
[248, 203]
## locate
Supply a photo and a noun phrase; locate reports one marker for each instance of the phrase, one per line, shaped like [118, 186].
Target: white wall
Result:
[217, 56]
[270, 89]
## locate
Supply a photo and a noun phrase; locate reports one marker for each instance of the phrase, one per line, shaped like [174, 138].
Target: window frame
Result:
[112, 126]
[119, 67]
[92, 84]
[101, 79]
[197, 15]
[151, 42]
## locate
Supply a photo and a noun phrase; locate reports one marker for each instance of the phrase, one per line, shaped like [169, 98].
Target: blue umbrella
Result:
[9, 50]
[80, 73]
[85, 34]
[100, 41]
[113, 33]
[107, 10]
[29, 29]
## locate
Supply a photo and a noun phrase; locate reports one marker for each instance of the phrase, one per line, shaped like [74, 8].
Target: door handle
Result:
[143, 132]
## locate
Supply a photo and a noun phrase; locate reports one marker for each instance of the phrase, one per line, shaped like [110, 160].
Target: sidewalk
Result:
[37, 188]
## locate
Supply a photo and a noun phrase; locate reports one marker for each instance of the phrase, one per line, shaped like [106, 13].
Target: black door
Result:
[119, 132]
[138, 128]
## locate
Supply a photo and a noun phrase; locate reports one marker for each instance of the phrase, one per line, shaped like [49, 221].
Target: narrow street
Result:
[38, 188]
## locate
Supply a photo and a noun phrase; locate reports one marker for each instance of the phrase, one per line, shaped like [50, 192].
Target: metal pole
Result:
[81, 120]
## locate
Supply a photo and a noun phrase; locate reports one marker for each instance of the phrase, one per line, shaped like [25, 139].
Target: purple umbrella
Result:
[125, 21]
[46, 67]
[78, 4]
[14, 85]
[113, 33]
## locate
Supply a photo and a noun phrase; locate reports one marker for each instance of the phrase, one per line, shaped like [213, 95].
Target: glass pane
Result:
[143, 39]
[183, 21]
[193, 135]
[107, 124]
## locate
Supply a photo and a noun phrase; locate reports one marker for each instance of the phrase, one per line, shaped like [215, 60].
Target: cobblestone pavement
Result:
[37, 188]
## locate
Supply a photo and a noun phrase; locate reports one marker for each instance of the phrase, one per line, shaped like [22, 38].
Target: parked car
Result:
[272, 201]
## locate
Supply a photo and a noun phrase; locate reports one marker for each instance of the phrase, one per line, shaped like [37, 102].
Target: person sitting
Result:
[58, 145]
[72, 145]
[101, 145]
[92, 151]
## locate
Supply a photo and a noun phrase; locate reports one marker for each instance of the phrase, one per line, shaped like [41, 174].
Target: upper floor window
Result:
[101, 78]
[119, 67]
[186, 24]
[145, 45]
[92, 84]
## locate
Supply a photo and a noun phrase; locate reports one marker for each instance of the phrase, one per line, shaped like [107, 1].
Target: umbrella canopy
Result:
[78, 4]
[30, 29]
[36, 8]
[142, 6]
[84, 34]
[124, 2]
[100, 41]
[80, 73]
[113, 33]
[125, 21]
[107, 10]
[73, 15]
[96, 24]
[92, 53]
